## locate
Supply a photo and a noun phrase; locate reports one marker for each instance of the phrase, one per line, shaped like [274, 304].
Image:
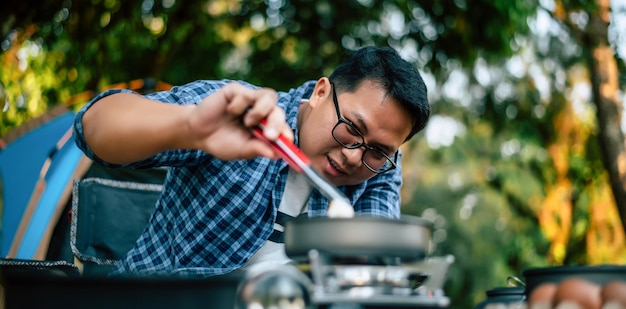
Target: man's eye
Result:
[378, 155]
[353, 130]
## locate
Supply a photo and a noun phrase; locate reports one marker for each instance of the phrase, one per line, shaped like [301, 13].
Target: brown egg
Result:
[542, 295]
[614, 293]
[582, 292]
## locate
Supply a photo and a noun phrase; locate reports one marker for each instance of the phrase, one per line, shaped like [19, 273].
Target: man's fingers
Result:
[251, 104]
[263, 104]
[276, 125]
[254, 105]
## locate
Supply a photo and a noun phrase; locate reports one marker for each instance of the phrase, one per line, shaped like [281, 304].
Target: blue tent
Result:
[36, 171]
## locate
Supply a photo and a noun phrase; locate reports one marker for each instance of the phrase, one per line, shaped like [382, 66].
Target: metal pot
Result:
[407, 238]
[503, 297]
[599, 274]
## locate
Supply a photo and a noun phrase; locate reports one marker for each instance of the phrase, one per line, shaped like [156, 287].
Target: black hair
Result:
[399, 78]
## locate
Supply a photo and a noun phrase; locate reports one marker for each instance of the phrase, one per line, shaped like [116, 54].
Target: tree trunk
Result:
[605, 87]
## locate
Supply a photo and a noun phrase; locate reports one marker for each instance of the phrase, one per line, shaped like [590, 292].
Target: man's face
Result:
[380, 119]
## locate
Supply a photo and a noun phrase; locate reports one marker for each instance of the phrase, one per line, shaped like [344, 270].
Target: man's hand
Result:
[221, 124]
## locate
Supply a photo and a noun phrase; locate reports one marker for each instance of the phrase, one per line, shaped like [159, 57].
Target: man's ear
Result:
[322, 91]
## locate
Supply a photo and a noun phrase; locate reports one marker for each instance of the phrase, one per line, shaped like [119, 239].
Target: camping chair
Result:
[110, 208]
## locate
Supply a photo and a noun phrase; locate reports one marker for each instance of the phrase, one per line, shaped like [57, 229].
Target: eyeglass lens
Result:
[349, 137]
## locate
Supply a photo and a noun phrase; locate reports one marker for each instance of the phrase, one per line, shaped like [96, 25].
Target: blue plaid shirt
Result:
[213, 215]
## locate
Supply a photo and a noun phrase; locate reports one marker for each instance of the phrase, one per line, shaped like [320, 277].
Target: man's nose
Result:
[354, 155]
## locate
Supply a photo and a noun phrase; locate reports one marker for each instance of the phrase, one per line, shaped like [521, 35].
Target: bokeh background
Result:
[522, 164]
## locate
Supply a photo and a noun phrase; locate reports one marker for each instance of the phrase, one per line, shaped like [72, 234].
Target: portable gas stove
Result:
[385, 284]
[328, 282]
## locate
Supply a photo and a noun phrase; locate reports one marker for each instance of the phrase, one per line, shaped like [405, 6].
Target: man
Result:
[226, 197]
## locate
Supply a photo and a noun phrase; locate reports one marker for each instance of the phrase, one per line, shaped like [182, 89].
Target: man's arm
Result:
[124, 127]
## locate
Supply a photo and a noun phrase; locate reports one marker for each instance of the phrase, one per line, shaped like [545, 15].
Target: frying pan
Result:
[407, 238]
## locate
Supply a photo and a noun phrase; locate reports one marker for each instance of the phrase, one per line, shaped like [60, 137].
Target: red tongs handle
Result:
[287, 150]
[299, 162]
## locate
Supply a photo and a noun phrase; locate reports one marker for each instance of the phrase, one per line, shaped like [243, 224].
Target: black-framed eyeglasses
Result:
[349, 136]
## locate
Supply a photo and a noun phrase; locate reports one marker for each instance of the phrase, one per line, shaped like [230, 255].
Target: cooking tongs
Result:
[300, 163]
